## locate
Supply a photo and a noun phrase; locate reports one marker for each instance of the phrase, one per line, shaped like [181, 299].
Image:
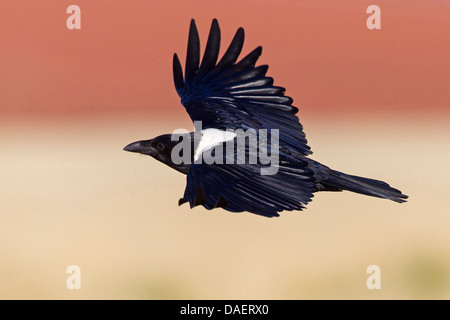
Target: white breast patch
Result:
[211, 138]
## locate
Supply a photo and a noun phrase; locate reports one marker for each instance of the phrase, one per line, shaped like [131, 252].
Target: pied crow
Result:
[230, 97]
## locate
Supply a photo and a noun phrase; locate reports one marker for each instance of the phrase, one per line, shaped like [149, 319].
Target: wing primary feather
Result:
[212, 48]
[259, 71]
[242, 66]
[233, 50]
[193, 53]
[177, 73]
[259, 91]
[199, 199]
[221, 203]
[249, 60]
[258, 82]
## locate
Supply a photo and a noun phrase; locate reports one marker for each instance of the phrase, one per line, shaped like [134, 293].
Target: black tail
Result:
[341, 181]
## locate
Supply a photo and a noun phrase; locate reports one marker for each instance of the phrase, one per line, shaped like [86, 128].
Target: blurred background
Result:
[374, 103]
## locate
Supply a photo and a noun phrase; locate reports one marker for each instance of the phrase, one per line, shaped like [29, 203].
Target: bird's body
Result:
[251, 153]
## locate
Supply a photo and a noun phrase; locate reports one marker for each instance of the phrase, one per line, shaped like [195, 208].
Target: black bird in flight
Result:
[230, 95]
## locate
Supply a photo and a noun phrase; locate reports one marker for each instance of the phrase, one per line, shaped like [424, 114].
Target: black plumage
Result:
[229, 95]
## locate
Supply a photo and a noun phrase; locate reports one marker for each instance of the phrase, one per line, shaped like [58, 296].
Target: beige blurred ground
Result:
[70, 195]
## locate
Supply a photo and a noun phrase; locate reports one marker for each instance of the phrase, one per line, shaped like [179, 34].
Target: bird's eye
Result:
[160, 146]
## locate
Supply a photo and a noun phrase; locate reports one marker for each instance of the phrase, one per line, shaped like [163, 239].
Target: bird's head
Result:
[159, 148]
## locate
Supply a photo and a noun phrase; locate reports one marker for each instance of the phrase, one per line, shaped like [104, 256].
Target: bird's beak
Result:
[143, 146]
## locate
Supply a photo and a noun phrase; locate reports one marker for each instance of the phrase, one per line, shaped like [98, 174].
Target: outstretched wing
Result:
[238, 188]
[230, 94]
